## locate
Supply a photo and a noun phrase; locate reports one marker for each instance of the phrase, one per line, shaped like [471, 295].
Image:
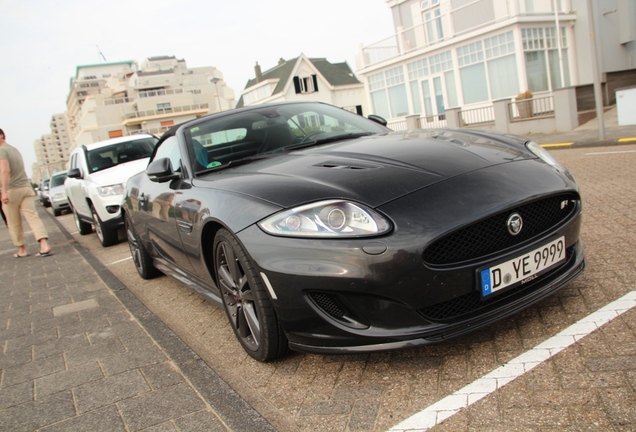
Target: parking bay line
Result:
[462, 398]
[610, 152]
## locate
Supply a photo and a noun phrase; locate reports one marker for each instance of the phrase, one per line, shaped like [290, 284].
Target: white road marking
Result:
[609, 153]
[462, 398]
[118, 261]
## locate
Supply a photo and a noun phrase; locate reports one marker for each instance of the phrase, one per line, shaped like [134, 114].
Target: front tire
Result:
[246, 301]
[141, 257]
[107, 237]
[83, 227]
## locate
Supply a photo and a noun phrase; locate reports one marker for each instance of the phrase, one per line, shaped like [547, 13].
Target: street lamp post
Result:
[215, 80]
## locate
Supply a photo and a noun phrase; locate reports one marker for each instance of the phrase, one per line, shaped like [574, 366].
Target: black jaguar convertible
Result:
[323, 231]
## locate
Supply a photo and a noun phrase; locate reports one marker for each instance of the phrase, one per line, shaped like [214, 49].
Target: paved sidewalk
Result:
[588, 134]
[79, 352]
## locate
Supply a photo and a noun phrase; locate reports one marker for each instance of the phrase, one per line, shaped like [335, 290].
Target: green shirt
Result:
[17, 176]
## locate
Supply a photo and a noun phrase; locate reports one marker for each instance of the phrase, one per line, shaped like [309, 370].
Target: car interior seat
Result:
[98, 162]
[127, 155]
[201, 155]
[276, 137]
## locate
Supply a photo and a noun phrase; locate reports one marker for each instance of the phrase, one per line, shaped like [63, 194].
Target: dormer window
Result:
[306, 84]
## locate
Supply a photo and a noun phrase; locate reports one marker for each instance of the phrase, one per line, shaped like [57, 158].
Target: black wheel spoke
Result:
[245, 300]
[249, 312]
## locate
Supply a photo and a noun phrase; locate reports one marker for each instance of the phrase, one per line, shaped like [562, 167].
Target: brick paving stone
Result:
[68, 379]
[105, 419]
[35, 414]
[200, 421]
[156, 407]
[106, 391]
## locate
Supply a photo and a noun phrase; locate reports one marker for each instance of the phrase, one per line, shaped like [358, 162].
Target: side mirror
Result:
[75, 173]
[160, 171]
[377, 119]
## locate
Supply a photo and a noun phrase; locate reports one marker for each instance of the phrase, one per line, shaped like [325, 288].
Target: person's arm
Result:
[5, 171]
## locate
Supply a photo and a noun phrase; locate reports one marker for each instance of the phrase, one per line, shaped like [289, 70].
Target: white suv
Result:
[97, 179]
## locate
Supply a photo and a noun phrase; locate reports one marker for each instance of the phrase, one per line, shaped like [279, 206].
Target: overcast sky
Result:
[43, 41]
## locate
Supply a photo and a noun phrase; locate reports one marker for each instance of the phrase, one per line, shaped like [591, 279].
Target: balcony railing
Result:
[477, 116]
[154, 93]
[531, 108]
[156, 112]
[117, 101]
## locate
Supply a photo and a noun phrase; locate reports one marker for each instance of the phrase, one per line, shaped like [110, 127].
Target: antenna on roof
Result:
[100, 53]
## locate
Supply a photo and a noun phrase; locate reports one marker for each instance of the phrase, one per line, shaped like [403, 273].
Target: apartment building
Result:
[304, 78]
[53, 149]
[469, 53]
[110, 100]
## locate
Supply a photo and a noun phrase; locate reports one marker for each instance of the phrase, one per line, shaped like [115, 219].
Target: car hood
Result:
[373, 170]
[119, 173]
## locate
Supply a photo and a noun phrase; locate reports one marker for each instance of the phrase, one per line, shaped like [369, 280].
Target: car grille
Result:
[472, 303]
[491, 235]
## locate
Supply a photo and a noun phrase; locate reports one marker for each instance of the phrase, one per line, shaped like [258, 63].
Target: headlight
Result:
[112, 190]
[333, 218]
[543, 154]
[59, 196]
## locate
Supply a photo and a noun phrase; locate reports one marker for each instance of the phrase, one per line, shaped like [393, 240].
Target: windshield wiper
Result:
[326, 140]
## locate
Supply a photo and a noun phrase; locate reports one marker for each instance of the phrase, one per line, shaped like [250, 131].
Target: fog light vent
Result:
[334, 307]
[328, 305]
[112, 209]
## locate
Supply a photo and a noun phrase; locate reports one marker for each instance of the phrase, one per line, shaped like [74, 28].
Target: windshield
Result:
[57, 180]
[117, 154]
[273, 128]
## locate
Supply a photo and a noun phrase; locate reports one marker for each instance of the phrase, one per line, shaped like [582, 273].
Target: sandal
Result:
[16, 255]
[44, 254]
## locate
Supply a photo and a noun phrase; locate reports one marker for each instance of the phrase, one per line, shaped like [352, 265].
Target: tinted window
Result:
[116, 154]
[58, 180]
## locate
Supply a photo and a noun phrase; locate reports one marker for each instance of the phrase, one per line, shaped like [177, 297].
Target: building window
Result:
[115, 134]
[432, 20]
[164, 106]
[388, 93]
[167, 123]
[306, 84]
[543, 66]
[502, 65]
[472, 72]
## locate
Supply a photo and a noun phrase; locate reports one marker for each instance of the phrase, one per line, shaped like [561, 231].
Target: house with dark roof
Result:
[306, 79]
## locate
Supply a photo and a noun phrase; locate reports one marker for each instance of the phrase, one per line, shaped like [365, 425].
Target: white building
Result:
[308, 79]
[469, 53]
[117, 99]
[53, 149]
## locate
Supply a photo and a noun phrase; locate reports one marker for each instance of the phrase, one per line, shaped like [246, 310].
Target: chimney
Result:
[281, 61]
[259, 74]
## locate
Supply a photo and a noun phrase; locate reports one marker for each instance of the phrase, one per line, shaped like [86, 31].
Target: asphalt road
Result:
[590, 385]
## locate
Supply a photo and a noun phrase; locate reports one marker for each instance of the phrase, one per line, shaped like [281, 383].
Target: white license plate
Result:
[522, 269]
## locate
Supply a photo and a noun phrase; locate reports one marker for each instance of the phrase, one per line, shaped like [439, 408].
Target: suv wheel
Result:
[83, 227]
[107, 237]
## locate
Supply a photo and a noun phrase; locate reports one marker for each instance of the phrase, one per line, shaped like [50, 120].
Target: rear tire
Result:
[57, 212]
[106, 237]
[246, 301]
[141, 257]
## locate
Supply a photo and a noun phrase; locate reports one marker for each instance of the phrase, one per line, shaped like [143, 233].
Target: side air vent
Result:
[335, 307]
[340, 165]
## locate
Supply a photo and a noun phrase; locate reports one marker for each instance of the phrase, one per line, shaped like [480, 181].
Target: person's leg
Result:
[29, 212]
[4, 217]
[14, 219]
